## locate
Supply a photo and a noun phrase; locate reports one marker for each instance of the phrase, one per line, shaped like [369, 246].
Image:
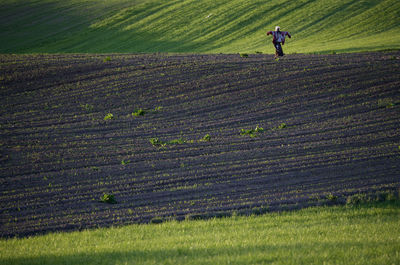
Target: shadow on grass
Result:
[168, 256]
[256, 254]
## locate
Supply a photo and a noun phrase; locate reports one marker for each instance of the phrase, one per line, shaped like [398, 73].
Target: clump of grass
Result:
[108, 198]
[109, 116]
[356, 199]
[246, 132]
[142, 112]
[332, 198]
[379, 196]
[107, 59]
[158, 109]
[138, 112]
[125, 162]
[159, 143]
[259, 129]
[87, 107]
[176, 141]
[252, 132]
[314, 197]
[282, 126]
[206, 138]
[244, 55]
[387, 103]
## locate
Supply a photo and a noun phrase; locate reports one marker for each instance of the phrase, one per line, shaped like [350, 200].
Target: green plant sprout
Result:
[108, 198]
[138, 112]
[206, 138]
[282, 126]
[252, 132]
[109, 116]
[159, 143]
[125, 162]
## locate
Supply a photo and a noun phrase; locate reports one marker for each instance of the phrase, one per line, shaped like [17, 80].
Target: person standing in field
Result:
[278, 39]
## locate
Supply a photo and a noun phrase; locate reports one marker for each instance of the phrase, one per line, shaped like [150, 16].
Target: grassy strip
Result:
[366, 234]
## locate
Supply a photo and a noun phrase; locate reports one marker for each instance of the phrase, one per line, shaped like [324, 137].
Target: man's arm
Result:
[269, 33]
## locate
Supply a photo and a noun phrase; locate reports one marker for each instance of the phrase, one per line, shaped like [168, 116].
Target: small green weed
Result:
[107, 59]
[108, 198]
[125, 162]
[259, 129]
[176, 141]
[282, 126]
[109, 116]
[245, 132]
[332, 198]
[387, 103]
[87, 107]
[252, 132]
[206, 138]
[159, 143]
[244, 55]
[138, 112]
[158, 109]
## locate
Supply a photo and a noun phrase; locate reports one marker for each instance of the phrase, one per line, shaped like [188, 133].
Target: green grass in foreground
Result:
[206, 26]
[368, 234]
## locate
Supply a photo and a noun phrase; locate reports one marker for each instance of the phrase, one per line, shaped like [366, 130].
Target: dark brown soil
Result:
[58, 155]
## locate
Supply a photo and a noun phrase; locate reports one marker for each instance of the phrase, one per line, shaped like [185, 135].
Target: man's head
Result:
[277, 28]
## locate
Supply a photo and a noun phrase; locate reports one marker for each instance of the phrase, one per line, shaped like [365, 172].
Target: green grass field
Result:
[207, 26]
[367, 234]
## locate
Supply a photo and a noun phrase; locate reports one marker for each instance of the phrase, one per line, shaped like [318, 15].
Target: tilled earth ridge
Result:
[331, 126]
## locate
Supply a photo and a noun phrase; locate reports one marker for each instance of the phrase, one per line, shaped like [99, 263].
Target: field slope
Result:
[207, 26]
[175, 136]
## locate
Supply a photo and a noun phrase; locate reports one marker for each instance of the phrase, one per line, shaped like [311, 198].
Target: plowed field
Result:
[330, 127]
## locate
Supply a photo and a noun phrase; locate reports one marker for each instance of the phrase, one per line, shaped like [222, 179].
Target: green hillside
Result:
[207, 26]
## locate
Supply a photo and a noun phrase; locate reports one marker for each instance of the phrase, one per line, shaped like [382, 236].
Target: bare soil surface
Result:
[331, 127]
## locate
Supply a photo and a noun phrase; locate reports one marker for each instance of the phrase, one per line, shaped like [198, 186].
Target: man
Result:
[278, 39]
